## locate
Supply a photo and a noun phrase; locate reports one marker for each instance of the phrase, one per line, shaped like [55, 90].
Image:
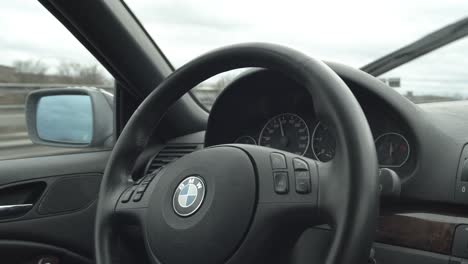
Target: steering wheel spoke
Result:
[133, 202]
[287, 200]
[333, 194]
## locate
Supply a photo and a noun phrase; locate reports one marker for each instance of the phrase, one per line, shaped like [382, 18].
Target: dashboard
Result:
[426, 145]
[267, 109]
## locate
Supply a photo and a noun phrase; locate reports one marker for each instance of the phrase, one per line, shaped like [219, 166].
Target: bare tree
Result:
[68, 72]
[91, 75]
[30, 66]
[72, 72]
[30, 70]
[35, 71]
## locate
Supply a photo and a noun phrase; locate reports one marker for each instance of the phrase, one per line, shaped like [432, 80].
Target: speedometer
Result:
[287, 132]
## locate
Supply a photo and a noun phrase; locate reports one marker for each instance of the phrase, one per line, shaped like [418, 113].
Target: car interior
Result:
[297, 160]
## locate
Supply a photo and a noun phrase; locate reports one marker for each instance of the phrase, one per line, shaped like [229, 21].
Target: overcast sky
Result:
[352, 32]
[29, 31]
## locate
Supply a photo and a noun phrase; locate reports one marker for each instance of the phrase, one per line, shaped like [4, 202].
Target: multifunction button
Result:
[281, 182]
[302, 176]
[300, 165]
[278, 161]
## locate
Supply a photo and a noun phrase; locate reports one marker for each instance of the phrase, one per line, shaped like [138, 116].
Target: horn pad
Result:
[201, 214]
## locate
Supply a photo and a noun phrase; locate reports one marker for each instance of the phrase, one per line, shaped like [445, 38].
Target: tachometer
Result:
[323, 143]
[287, 132]
[393, 150]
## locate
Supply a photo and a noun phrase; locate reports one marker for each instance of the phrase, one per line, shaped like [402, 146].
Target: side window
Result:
[55, 97]
[441, 75]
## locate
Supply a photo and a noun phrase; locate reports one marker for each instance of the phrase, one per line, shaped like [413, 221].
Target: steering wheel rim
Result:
[353, 207]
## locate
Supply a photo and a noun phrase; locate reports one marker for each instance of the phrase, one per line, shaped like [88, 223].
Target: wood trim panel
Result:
[427, 227]
[415, 232]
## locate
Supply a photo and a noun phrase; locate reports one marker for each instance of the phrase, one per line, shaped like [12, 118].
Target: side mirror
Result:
[70, 117]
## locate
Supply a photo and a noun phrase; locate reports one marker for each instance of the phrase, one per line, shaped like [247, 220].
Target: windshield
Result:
[351, 32]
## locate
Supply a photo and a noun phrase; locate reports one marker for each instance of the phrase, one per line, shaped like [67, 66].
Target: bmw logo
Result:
[189, 196]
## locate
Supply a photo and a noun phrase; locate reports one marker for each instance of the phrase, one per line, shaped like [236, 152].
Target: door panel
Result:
[18, 170]
[62, 190]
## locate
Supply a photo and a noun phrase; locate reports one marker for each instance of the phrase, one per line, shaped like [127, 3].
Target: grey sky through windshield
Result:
[350, 32]
[353, 33]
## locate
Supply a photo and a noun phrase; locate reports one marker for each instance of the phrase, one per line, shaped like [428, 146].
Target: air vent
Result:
[170, 153]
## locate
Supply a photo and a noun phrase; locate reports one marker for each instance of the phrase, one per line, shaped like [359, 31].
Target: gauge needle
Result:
[281, 128]
[391, 150]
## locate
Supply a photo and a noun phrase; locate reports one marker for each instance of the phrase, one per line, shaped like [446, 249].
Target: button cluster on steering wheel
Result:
[138, 190]
[281, 176]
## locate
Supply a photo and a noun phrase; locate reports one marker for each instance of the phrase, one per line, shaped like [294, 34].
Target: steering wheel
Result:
[242, 203]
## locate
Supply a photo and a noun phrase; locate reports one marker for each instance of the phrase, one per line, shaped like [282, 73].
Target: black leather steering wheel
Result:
[243, 203]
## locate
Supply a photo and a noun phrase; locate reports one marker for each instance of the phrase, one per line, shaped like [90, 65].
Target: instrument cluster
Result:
[272, 111]
[289, 132]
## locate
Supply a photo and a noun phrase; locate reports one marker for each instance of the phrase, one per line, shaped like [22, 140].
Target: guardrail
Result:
[12, 107]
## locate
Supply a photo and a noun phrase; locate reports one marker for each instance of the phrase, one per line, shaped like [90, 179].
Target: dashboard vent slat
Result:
[169, 154]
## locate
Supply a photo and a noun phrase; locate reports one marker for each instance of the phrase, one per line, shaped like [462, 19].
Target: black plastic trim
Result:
[25, 248]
